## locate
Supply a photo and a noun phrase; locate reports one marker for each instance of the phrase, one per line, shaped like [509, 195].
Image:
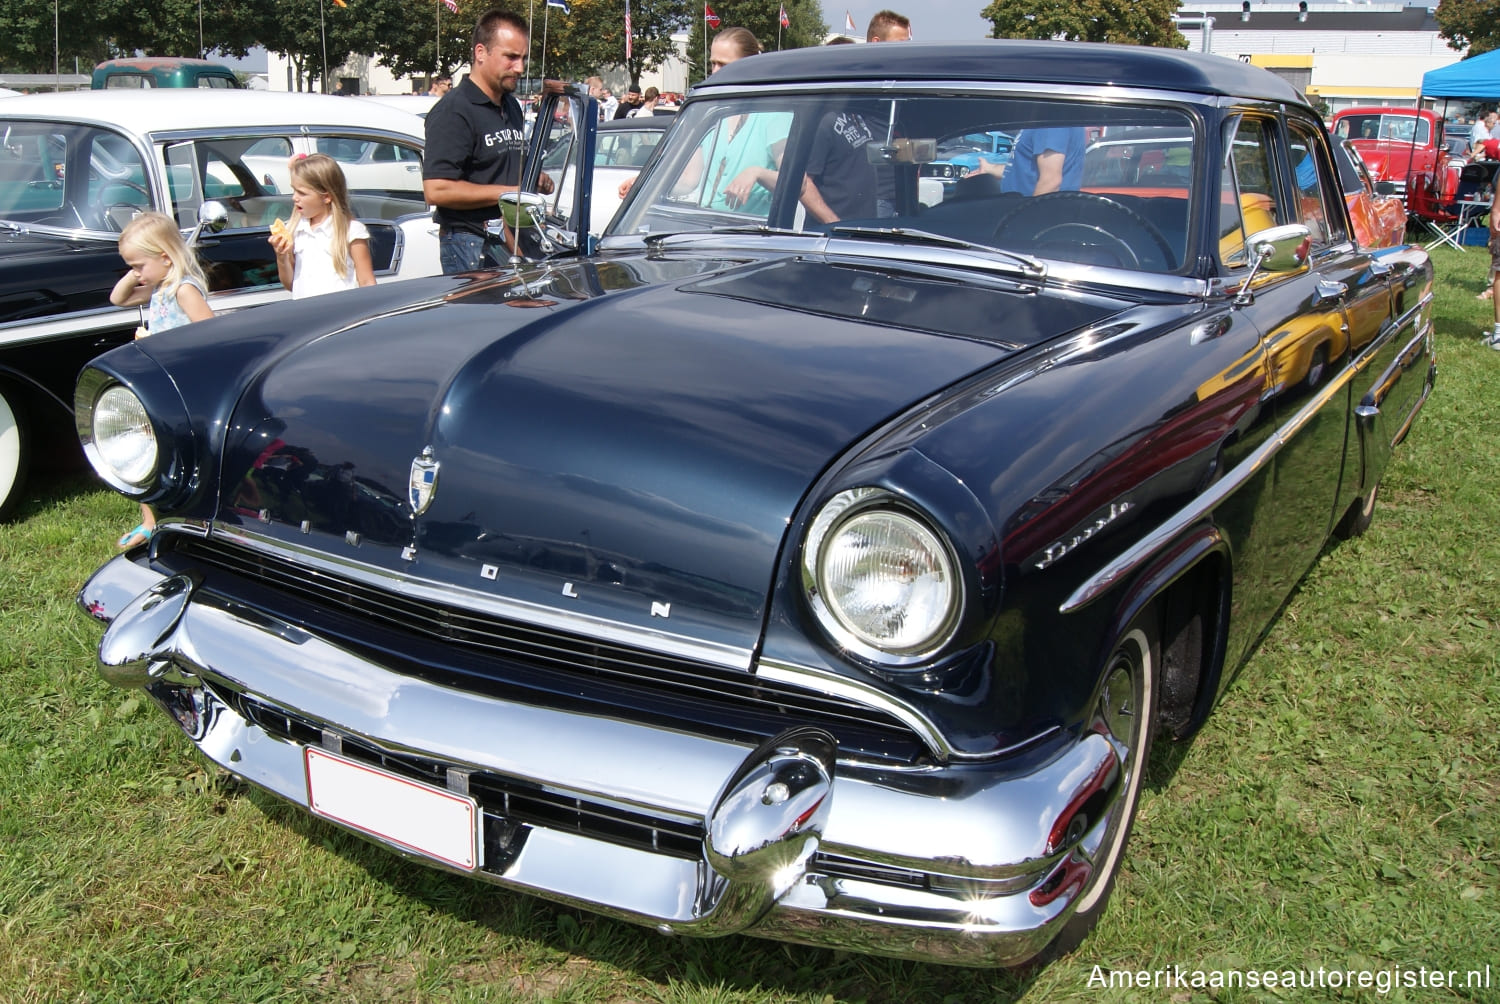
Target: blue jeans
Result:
[461, 251]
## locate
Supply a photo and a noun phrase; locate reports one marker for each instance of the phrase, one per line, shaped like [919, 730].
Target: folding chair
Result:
[1468, 208]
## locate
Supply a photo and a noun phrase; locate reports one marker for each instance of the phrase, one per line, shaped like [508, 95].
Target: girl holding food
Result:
[323, 249]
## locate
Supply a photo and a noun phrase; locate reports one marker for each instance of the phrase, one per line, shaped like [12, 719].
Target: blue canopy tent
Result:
[1476, 77]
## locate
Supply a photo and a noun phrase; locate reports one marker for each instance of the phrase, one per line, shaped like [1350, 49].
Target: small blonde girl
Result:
[165, 277]
[327, 249]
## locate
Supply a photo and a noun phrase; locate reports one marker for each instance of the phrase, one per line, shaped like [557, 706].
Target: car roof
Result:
[1050, 62]
[171, 109]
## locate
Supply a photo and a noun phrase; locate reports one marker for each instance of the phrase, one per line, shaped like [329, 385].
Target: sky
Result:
[931, 20]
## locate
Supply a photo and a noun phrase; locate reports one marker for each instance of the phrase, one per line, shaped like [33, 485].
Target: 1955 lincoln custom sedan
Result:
[752, 572]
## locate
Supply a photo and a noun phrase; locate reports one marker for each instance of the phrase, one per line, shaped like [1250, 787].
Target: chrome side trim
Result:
[661, 642]
[1133, 557]
[851, 688]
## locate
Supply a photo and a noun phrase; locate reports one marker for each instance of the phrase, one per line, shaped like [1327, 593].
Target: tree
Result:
[1471, 23]
[1140, 22]
[806, 26]
[419, 37]
[592, 36]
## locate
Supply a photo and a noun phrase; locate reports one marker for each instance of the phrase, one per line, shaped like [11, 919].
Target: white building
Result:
[1345, 53]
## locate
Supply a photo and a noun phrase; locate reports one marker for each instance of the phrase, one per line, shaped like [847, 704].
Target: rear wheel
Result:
[1125, 714]
[14, 447]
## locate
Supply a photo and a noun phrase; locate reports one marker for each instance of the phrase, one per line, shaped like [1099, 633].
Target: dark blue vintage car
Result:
[755, 573]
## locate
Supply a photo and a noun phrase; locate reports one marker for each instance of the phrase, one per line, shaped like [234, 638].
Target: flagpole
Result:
[323, 33]
[437, 44]
[546, 9]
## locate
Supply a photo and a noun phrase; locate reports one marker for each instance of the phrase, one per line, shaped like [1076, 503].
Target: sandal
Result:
[137, 536]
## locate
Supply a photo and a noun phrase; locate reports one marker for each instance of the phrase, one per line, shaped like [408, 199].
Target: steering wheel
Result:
[1085, 220]
[103, 211]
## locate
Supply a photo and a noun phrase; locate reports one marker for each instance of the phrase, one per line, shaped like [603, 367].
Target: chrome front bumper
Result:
[954, 865]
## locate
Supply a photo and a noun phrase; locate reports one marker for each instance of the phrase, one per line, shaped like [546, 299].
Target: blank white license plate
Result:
[418, 817]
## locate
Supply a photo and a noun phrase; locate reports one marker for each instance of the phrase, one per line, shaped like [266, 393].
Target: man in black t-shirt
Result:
[476, 136]
[841, 182]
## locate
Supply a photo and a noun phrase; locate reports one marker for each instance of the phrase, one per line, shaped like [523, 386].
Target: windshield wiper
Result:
[906, 235]
[761, 228]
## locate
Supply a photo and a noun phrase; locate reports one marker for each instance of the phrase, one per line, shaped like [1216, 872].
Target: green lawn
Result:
[1338, 811]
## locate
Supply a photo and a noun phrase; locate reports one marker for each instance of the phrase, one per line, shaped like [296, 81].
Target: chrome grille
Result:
[505, 800]
[702, 692]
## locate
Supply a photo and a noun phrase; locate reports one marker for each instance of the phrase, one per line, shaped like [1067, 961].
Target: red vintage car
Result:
[1405, 147]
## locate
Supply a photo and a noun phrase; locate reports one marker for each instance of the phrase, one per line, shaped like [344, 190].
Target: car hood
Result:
[627, 440]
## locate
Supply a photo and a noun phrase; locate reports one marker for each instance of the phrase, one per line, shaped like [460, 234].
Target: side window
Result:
[33, 161]
[377, 169]
[1313, 178]
[1247, 199]
[118, 186]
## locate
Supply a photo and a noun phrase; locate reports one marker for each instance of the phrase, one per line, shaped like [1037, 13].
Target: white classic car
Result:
[76, 167]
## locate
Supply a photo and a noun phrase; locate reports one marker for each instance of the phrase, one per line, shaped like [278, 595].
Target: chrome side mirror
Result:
[213, 217]
[1275, 249]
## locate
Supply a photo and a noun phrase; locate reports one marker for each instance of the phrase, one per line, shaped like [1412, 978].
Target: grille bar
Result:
[562, 654]
[505, 798]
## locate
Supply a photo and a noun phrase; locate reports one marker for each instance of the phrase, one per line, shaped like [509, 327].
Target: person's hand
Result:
[985, 167]
[739, 188]
[551, 86]
[280, 239]
[627, 185]
[544, 183]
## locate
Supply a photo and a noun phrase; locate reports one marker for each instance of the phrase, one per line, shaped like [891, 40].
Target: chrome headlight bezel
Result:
[847, 509]
[136, 479]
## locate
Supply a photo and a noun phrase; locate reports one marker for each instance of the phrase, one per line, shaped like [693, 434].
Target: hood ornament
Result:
[423, 483]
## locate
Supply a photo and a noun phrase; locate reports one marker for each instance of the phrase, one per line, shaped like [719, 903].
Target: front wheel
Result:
[14, 446]
[1125, 714]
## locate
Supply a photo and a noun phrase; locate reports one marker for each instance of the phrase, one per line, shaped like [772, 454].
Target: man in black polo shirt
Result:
[475, 138]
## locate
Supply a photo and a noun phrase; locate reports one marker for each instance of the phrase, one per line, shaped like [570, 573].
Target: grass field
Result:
[1341, 810]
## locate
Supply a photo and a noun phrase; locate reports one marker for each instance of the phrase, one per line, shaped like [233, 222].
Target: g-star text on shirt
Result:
[510, 137]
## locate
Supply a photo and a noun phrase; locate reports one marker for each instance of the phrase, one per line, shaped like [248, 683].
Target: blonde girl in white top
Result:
[327, 250]
[166, 282]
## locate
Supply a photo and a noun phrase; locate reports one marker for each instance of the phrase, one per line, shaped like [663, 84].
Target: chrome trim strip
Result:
[1137, 554]
[851, 688]
[660, 642]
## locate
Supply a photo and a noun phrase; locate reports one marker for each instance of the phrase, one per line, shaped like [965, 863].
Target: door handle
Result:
[1328, 289]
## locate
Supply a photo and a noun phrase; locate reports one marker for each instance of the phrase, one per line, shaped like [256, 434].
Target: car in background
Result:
[738, 573]
[623, 147]
[1375, 212]
[162, 71]
[958, 156]
[1406, 147]
[416, 104]
[76, 167]
[369, 165]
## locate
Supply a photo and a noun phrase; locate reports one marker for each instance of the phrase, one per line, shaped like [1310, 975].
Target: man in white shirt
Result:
[1484, 128]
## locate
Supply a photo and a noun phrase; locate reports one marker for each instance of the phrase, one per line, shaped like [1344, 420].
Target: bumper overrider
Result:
[688, 834]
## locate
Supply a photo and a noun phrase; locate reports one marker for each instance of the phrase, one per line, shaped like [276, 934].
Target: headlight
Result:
[124, 444]
[882, 581]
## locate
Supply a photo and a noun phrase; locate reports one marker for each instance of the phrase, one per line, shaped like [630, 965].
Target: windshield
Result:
[976, 169]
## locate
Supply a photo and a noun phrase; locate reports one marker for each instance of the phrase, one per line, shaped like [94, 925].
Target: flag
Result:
[709, 17]
[339, 3]
[561, 5]
[627, 31]
[452, 5]
[848, 20]
[786, 22]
